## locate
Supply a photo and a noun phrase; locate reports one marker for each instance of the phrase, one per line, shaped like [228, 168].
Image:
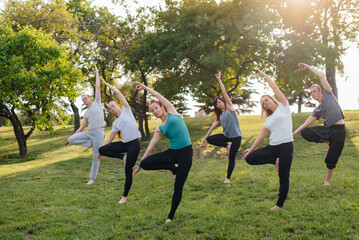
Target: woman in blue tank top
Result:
[178, 158]
[227, 117]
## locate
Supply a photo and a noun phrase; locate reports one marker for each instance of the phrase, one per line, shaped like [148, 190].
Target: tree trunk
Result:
[144, 109]
[108, 119]
[76, 115]
[330, 75]
[300, 102]
[20, 136]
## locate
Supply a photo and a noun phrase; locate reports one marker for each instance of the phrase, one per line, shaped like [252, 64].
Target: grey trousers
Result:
[90, 138]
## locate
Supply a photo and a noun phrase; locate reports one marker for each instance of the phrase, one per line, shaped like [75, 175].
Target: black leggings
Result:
[166, 160]
[269, 154]
[221, 140]
[334, 134]
[117, 150]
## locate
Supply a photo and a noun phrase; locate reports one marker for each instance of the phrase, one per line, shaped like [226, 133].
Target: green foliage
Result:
[49, 199]
[35, 74]
[50, 16]
[191, 40]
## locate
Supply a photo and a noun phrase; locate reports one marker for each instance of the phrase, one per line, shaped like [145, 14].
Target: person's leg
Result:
[236, 143]
[285, 162]
[132, 154]
[159, 161]
[315, 134]
[81, 139]
[265, 155]
[115, 150]
[97, 138]
[218, 140]
[184, 157]
[331, 160]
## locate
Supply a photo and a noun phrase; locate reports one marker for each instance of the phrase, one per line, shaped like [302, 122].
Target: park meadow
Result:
[45, 196]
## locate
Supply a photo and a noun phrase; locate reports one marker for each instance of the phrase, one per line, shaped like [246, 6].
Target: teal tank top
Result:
[175, 129]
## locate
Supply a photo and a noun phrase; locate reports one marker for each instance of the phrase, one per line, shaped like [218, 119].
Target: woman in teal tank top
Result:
[178, 158]
[226, 117]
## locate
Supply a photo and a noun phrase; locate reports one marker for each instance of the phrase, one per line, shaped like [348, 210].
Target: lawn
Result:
[45, 195]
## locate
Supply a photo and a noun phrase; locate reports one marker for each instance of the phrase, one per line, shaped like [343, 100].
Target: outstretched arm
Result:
[258, 140]
[278, 93]
[309, 121]
[224, 91]
[156, 137]
[214, 125]
[168, 105]
[98, 87]
[323, 79]
[118, 93]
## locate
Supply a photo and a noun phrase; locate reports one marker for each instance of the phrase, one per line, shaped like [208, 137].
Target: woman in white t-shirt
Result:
[280, 149]
[126, 124]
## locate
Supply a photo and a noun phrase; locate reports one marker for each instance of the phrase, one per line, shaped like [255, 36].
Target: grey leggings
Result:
[90, 138]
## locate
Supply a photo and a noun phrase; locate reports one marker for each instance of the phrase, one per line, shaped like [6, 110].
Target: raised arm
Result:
[156, 137]
[224, 91]
[214, 125]
[258, 140]
[168, 105]
[320, 75]
[309, 121]
[278, 93]
[98, 87]
[118, 93]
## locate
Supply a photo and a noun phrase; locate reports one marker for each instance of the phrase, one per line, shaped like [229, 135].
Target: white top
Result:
[94, 115]
[126, 124]
[280, 125]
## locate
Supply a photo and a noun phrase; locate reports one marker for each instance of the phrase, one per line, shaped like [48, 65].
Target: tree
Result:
[193, 39]
[52, 17]
[35, 73]
[323, 28]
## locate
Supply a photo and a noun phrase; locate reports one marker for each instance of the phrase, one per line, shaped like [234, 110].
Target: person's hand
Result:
[135, 170]
[67, 142]
[260, 73]
[245, 153]
[303, 66]
[204, 143]
[218, 75]
[139, 86]
[99, 157]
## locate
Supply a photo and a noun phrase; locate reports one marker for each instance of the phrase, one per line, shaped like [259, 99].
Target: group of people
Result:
[178, 158]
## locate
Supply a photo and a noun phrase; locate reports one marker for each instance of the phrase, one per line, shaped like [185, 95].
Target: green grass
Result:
[45, 195]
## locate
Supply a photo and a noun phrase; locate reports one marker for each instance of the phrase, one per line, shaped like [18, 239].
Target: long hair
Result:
[217, 111]
[266, 112]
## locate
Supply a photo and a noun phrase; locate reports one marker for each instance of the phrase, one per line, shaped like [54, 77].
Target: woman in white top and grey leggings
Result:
[280, 149]
[95, 136]
[127, 149]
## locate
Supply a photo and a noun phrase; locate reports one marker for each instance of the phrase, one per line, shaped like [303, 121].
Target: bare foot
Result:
[123, 200]
[67, 142]
[91, 181]
[275, 208]
[326, 183]
[168, 221]
[277, 165]
[229, 148]
[227, 180]
[124, 160]
[174, 178]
